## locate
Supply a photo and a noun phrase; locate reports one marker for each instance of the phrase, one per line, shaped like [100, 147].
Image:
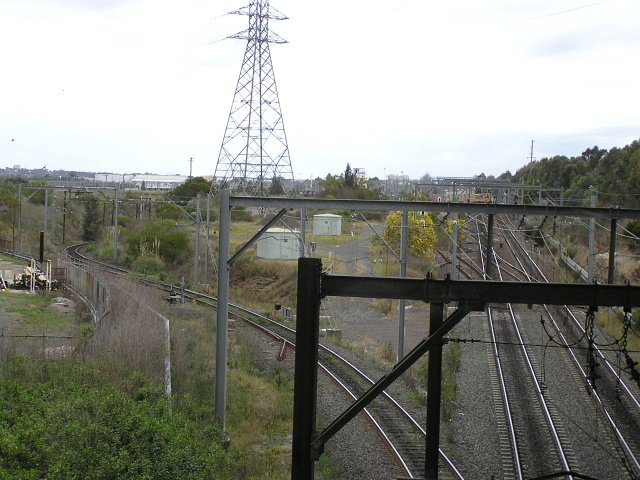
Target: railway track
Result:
[617, 401]
[401, 433]
[530, 434]
[597, 428]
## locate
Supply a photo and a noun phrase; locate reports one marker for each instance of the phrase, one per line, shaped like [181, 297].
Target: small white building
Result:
[279, 243]
[327, 224]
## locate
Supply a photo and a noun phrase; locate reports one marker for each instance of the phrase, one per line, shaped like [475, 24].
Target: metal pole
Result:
[434, 388]
[17, 248]
[612, 251]
[206, 254]
[489, 262]
[41, 247]
[197, 255]
[303, 228]
[223, 308]
[561, 225]
[115, 225]
[46, 207]
[592, 243]
[454, 252]
[404, 248]
[64, 216]
[306, 368]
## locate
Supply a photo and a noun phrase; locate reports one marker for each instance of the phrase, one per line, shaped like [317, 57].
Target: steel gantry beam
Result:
[313, 285]
[448, 207]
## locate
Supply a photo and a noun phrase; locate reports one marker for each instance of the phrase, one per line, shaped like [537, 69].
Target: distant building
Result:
[327, 224]
[279, 243]
[157, 182]
[113, 177]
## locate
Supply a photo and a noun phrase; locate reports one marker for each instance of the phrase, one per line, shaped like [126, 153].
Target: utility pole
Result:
[404, 249]
[64, 216]
[531, 154]
[17, 248]
[46, 207]
[206, 254]
[197, 255]
[115, 224]
[592, 243]
[190, 167]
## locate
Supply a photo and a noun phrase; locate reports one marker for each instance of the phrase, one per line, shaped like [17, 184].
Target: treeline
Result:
[614, 174]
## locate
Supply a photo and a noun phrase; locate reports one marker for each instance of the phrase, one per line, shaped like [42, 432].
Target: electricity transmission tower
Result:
[254, 150]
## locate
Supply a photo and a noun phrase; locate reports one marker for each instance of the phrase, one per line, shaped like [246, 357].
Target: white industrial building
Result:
[158, 182]
[279, 243]
[327, 224]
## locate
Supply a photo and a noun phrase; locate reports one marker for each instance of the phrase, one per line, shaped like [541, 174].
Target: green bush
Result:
[241, 214]
[148, 265]
[160, 238]
[70, 422]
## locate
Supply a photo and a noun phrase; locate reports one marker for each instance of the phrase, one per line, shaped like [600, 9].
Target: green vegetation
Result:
[347, 185]
[422, 233]
[91, 221]
[36, 314]
[69, 420]
[190, 189]
[613, 174]
[9, 208]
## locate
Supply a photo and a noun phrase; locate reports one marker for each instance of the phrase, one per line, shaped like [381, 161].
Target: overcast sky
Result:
[448, 88]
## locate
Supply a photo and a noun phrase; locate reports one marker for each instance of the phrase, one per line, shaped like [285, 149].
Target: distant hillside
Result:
[614, 174]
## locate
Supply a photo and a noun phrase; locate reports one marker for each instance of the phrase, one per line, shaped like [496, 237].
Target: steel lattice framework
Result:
[254, 150]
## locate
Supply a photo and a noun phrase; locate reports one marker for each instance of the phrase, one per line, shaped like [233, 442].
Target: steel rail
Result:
[540, 394]
[198, 296]
[579, 325]
[503, 388]
[618, 434]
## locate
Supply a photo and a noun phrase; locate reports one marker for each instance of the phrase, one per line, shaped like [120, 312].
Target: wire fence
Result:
[47, 346]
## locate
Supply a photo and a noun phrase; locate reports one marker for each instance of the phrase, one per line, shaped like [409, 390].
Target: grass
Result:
[34, 314]
[611, 322]
[10, 258]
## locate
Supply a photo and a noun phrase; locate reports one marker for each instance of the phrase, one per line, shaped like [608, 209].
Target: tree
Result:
[91, 224]
[9, 208]
[426, 178]
[276, 187]
[422, 233]
[350, 180]
[190, 189]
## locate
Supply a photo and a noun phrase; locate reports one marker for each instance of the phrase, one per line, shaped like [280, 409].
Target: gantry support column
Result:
[404, 249]
[306, 368]
[223, 308]
[434, 389]
[591, 268]
[489, 249]
[612, 251]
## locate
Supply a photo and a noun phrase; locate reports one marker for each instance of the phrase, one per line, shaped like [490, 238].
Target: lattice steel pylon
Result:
[254, 150]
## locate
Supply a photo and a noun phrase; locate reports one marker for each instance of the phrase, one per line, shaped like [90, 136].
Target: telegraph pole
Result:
[531, 153]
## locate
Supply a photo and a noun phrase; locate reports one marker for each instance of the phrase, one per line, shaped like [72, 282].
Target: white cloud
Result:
[449, 88]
